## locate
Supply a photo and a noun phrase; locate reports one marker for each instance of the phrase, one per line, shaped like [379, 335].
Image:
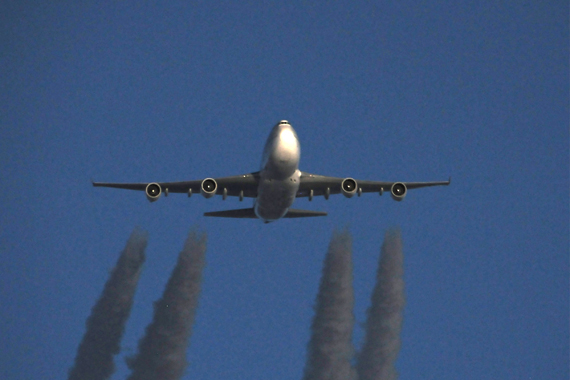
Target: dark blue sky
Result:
[396, 90]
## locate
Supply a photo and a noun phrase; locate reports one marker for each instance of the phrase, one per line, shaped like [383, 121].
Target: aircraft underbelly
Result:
[276, 196]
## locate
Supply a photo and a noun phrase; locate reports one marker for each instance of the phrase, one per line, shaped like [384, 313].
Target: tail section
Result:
[292, 213]
[238, 213]
[250, 214]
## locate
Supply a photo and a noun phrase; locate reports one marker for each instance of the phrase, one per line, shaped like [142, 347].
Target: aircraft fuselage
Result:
[279, 174]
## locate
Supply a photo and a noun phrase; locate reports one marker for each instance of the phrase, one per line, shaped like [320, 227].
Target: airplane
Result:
[275, 187]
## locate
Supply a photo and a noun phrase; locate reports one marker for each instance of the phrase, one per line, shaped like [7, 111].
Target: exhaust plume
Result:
[384, 317]
[106, 324]
[162, 351]
[330, 348]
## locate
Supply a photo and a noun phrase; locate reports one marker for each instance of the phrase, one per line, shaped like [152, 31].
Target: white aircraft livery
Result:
[275, 187]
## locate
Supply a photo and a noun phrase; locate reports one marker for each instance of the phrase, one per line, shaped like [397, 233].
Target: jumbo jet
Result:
[275, 187]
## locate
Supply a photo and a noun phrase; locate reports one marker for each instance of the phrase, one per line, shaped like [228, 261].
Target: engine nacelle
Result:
[348, 187]
[153, 191]
[398, 191]
[208, 187]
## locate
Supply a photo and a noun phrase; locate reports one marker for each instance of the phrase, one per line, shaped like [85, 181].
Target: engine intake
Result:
[348, 187]
[153, 191]
[208, 187]
[398, 191]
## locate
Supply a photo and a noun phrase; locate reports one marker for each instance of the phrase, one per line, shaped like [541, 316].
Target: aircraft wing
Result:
[245, 184]
[319, 184]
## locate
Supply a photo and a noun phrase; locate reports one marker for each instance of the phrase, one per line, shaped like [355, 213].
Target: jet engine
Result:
[153, 191]
[398, 191]
[348, 187]
[208, 188]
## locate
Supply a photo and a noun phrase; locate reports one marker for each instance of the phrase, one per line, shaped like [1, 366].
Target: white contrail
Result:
[162, 351]
[106, 324]
[384, 320]
[330, 349]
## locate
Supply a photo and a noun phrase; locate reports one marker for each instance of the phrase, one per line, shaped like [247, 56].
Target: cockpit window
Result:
[283, 122]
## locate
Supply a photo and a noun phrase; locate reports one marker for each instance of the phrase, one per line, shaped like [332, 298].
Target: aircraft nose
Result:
[287, 136]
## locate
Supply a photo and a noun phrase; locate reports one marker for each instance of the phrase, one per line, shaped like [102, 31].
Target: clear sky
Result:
[392, 90]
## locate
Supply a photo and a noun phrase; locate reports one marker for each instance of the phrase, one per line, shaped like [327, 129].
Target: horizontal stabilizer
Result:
[238, 213]
[249, 213]
[292, 213]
